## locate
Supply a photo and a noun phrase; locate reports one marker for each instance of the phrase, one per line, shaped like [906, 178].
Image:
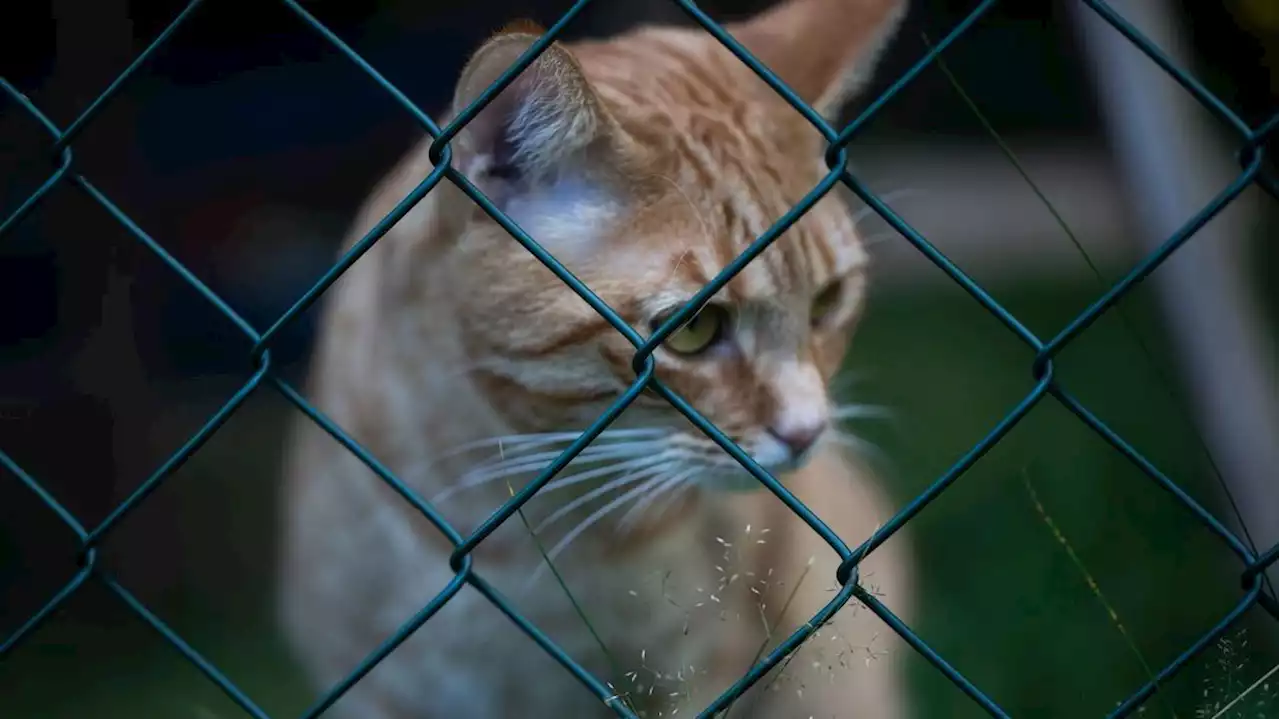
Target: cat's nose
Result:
[798, 438]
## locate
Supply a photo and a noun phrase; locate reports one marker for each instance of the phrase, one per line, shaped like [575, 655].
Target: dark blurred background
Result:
[246, 144]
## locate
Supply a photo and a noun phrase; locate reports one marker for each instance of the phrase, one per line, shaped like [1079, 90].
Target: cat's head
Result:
[645, 164]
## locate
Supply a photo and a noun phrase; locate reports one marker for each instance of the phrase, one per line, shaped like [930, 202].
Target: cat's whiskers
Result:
[654, 466]
[648, 484]
[576, 478]
[886, 197]
[483, 472]
[506, 467]
[512, 442]
[860, 447]
[633, 515]
[678, 491]
[876, 238]
[860, 411]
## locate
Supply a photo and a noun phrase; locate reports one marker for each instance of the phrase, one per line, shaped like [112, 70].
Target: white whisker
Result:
[634, 514]
[861, 411]
[542, 459]
[849, 440]
[662, 507]
[631, 464]
[513, 466]
[845, 381]
[655, 467]
[514, 441]
[876, 238]
[594, 517]
[886, 198]
[859, 446]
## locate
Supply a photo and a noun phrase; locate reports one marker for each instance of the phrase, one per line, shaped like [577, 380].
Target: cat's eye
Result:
[699, 334]
[824, 302]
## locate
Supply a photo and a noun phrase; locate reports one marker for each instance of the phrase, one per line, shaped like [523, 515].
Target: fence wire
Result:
[1251, 160]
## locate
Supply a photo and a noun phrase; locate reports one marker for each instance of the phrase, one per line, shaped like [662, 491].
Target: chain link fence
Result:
[1251, 159]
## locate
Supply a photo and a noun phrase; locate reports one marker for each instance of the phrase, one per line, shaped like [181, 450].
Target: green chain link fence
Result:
[1251, 160]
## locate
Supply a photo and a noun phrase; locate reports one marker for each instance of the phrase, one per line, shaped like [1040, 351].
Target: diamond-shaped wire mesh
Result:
[1250, 156]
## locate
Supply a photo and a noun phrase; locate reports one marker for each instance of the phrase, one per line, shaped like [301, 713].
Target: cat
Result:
[645, 163]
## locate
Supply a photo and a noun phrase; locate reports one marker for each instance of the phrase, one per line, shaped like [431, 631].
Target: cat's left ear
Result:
[547, 119]
[825, 50]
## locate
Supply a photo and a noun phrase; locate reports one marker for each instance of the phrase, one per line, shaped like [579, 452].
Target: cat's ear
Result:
[825, 50]
[546, 118]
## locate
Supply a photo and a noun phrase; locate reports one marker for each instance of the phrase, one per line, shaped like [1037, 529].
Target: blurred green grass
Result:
[1000, 598]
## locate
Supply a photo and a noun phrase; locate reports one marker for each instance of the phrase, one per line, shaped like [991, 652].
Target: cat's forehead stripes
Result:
[739, 159]
[804, 258]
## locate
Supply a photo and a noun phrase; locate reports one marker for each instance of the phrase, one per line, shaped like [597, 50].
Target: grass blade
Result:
[1161, 378]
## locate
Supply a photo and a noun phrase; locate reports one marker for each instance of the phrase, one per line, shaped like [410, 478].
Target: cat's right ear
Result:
[540, 124]
[825, 50]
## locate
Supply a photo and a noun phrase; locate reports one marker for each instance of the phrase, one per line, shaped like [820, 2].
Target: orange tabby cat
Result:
[644, 163]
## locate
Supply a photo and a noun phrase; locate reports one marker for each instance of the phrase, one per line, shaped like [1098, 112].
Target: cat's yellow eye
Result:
[700, 333]
[825, 302]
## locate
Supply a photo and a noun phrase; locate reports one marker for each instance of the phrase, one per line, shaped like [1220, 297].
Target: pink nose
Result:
[798, 439]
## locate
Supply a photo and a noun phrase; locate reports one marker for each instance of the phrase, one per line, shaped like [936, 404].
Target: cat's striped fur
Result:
[645, 163]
